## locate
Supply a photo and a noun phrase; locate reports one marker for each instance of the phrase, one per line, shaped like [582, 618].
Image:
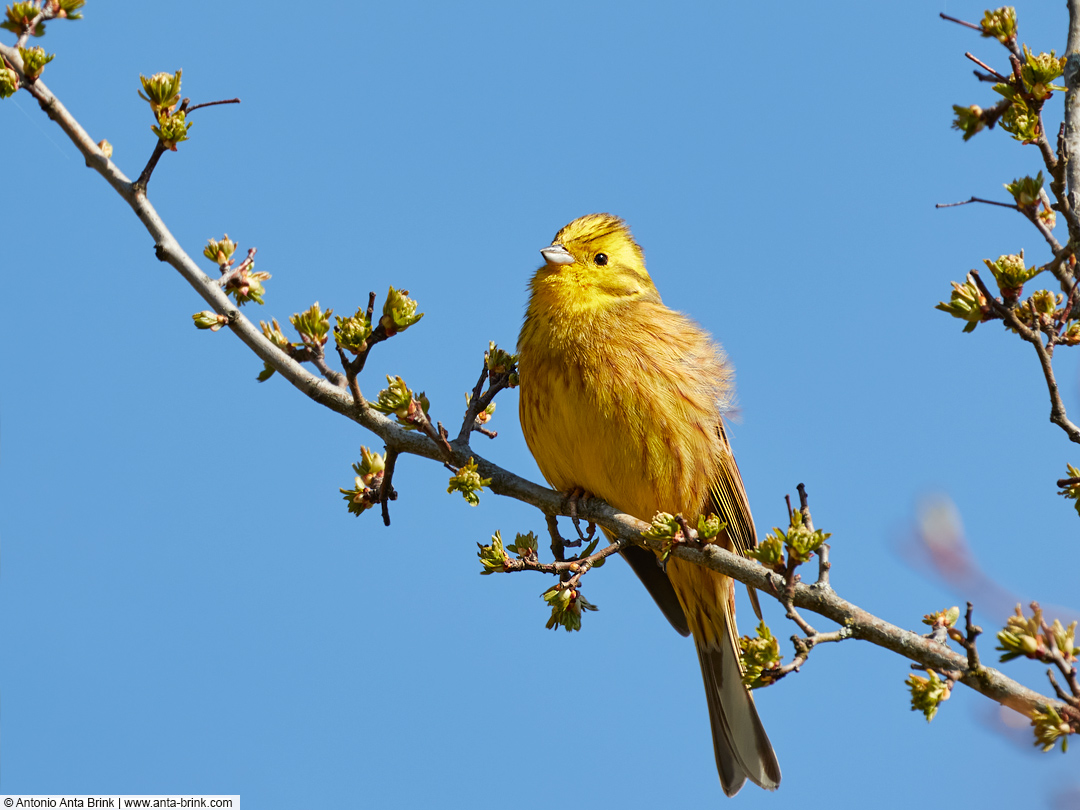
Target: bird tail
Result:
[742, 747]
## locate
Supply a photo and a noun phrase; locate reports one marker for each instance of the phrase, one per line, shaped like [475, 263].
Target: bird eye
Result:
[601, 259]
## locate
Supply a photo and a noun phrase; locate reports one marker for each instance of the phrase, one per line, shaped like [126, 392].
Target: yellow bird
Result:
[623, 398]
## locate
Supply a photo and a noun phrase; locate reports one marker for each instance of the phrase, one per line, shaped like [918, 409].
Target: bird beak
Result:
[556, 254]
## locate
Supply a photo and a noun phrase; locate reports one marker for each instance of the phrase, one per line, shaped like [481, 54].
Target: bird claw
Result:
[573, 498]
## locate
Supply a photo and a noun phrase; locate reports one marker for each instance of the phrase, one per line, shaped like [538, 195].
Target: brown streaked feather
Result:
[728, 496]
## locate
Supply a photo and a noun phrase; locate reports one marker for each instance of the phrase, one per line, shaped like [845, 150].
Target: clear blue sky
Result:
[187, 606]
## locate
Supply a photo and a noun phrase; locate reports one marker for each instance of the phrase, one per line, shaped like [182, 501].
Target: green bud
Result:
[369, 469]
[209, 320]
[525, 545]
[468, 482]
[493, 558]
[173, 130]
[1045, 302]
[499, 361]
[666, 529]
[965, 303]
[1022, 637]
[247, 286]
[313, 325]
[760, 658]
[351, 333]
[770, 551]
[1038, 72]
[928, 693]
[567, 605]
[1065, 640]
[1000, 24]
[272, 332]
[399, 312]
[162, 90]
[969, 120]
[800, 542]
[1049, 727]
[1019, 120]
[9, 81]
[360, 498]
[410, 409]
[18, 18]
[1071, 335]
[944, 618]
[34, 61]
[1026, 190]
[1072, 491]
[69, 8]
[709, 527]
[220, 251]
[1011, 274]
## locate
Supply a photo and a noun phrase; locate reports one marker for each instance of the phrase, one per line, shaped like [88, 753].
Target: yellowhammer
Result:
[623, 398]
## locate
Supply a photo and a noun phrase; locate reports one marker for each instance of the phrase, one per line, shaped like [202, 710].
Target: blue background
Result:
[188, 607]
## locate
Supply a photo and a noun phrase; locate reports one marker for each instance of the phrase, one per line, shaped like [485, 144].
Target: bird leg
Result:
[573, 497]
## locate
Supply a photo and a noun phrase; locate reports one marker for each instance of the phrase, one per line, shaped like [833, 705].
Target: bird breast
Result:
[627, 407]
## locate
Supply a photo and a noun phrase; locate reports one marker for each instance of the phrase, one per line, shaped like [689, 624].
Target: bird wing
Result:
[731, 505]
[645, 564]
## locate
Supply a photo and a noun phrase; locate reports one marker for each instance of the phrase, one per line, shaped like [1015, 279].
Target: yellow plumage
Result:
[623, 398]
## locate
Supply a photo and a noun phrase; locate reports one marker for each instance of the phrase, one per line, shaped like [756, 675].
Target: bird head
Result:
[596, 259]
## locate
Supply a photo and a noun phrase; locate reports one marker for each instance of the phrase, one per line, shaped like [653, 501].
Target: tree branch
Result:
[824, 601]
[1057, 406]
[1071, 140]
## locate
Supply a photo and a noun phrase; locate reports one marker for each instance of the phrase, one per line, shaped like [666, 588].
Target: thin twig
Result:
[824, 566]
[973, 632]
[42, 16]
[336, 377]
[804, 507]
[473, 409]
[1067, 310]
[961, 22]
[192, 109]
[976, 200]
[387, 492]
[1055, 654]
[1070, 141]
[804, 625]
[1049, 158]
[1061, 693]
[144, 178]
[803, 646]
[1057, 406]
[228, 276]
[986, 67]
[1060, 267]
[1043, 229]
[354, 388]
[576, 566]
[557, 541]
